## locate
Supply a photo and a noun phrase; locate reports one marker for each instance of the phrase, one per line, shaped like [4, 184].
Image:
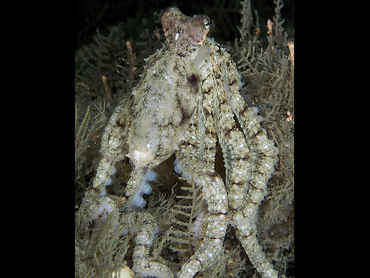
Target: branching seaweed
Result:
[179, 240]
[88, 128]
[111, 56]
[98, 247]
[186, 211]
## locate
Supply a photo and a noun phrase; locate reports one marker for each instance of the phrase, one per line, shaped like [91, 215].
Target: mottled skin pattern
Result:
[151, 122]
[182, 108]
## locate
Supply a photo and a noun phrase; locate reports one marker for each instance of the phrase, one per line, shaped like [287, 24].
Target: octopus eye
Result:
[207, 23]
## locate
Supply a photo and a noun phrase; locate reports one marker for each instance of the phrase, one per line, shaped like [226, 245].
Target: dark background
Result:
[138, 16]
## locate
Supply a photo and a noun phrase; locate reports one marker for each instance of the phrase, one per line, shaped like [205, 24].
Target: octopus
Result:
[186, 100]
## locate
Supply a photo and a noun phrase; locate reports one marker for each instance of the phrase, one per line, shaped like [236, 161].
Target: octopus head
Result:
[180, 29]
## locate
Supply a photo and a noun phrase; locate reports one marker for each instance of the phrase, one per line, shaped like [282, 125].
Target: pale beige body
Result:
[184, 106]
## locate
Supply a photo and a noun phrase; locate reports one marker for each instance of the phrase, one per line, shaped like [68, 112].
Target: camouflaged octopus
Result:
[187, 99]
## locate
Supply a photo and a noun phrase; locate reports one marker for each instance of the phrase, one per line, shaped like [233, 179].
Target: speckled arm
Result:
[113, 143]
[262, 152]
[198, 159]
[246, 234]
[146, 228]
[216, 218]
[256, 163]
[248, 154]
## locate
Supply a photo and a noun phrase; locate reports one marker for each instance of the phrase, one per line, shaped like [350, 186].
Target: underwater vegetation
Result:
[106, 72]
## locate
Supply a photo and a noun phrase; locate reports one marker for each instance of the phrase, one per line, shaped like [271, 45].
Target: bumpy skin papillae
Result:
[249, 156]
[216, 223]
[197, 157]
[167, 111]
[113, 143]
[151, 122]
[161, 114]
[164, 102]
[145, 227]
[153, 128]
[257, 166]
